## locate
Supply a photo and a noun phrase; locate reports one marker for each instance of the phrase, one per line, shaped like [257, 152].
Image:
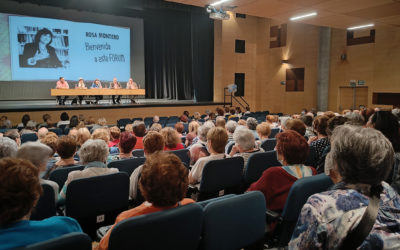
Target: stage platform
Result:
[14, 110]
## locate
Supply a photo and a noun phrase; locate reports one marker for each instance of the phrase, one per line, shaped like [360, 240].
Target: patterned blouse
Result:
[320, 146]
[327, 217]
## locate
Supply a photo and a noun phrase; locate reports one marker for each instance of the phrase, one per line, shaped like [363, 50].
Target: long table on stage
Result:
[76, 92]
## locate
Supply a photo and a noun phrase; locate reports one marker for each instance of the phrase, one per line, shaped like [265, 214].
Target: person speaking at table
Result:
[132, 85]
[62, 84]
[115, 85]
[81, 85]
[97, 85]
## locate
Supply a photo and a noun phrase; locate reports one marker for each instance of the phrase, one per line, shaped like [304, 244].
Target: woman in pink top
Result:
[62, 84]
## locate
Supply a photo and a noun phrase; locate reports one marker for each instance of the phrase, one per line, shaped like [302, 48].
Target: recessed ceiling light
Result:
[303, 16]
[361, 26]
[219, 2]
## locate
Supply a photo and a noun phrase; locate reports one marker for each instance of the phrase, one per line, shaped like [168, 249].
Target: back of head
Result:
[361, 155]
[220, 122]
[244, 138]
[42, 132]
[388, 124]
[263, 129]
[139, 128]
[115, 132]
[101, 133]
[171, 137]
[35, 152]
[367, 113]
[164, 179]
[354, 118]
[179, 127]
[296, 125]
[153, 142]
[155, 127]
[218, 137]
[93, 150]
[102, 121]
[335, 122]
[12, 134]
[251, 123]
[292, 146]
[231, 126]
[66, 146]
[320, 124]
[19, 189]
[203, 130]
[82, 136]
[8, 147]
[307, 119]
[64, 116]
[194, 126]
[156, 118]
[74, 121]
[50, 140]
[127, 142]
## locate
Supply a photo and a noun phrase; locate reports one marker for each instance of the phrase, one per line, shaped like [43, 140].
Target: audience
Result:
[179, 127]
[82, 136]
[263, 131]
[155, 127]
[363, 158]
[8, 147]
[20, 190]
[217, 138]
[101, 123]
[13, 135]
[172, 139]
[192, 134]
[196, 148]
[220, 122]
[93, 154]
[163, 183]
[320, 142]
[73, 122]
[251, 124]
[45, 118]
[139, 129]
[24, 121]
[64, 120]
[126, 144]
[102, 134]
[245, 144]
[42, 132]
[230, 127]
[66, 148]
[115, 133]
[295, 125]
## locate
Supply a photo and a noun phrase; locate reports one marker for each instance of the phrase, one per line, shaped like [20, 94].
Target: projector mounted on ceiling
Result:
[217, 14]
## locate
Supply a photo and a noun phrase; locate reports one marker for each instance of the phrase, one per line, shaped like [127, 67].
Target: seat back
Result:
[235, 222]
[121, 123]
[60, 175]
[184, 155]
[300, 191]
[127, 165]
[229, 146]
[46, 206]
[176, 228]
[96, 201]
[312, 159]
[58, 131]
[138, 153]
[76, 241]
[28, 137]
[274, 132]
[269, 144]
[225, 174]
[257, 164]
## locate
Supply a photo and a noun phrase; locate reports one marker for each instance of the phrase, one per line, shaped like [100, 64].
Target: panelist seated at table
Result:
[97, 85]
[81, 85]
[62, 84]
[115, 85]
[132, 85]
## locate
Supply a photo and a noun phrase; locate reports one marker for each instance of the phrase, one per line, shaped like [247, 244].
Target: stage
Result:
[14, 110]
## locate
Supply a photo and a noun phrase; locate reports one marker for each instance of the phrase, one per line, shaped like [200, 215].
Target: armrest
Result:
[272, 216]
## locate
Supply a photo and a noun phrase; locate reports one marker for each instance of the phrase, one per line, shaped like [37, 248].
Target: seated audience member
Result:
[192, 134]
[387, 123]
[245, 144]
[321, 141]
[20, 190]
[186, 113]
[29, 128]
[296, 125]
[220, 122]
[139, 129]
[42, 132]
[355, 118]
[220, 112]
[155, 127]
[90, 121]
[233, 113]
[263, 131]
[247, 112]
[153, 142]
[329, 114]
[93, 154]
[51, 140]
[8, 147]
[115, 133]
[66, 148]
[195, 148]
[13, 135]
[129, 127]
[45, 118]
[184, 119]
[217, 138]
[73, 132]
[64, 120]
[102, 134]
[82, 136]
[38, 153]
[308, 120]
[5, 122]
[363, 158]
[396, 113]
[367, 113]
[275, 182]
[101, 123]
[73, 122]
[271, 120]
[24, 120]
[242, 122]
[156, 119]
[230, 127]
[238, 112]
[126, 144]
[196, 116]
[227, 111]
[163, 184]
[172, 139]
[251, 124]
[179, 128]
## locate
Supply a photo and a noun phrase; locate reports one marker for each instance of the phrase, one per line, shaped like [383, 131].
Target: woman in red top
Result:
[139, 129]
[172, 139]
[275, 182]
[163, 184]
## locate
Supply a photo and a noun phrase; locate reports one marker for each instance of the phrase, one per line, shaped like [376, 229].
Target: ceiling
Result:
[331, 13]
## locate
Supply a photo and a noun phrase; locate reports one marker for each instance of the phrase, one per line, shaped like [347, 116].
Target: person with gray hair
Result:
[355, 119]
[245, 144]
[93, 154]
[195, 148]
[362, 159]
[42, 132]
[39, 154]
[8, 147]
[252, 123]
[13, 135]
[230, 127]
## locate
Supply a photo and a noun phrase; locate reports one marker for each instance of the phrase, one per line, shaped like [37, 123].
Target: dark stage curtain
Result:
[179, 55]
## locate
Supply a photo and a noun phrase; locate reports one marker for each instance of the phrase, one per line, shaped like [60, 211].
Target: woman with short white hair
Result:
[93, 154]
[195, 148]
[8, 147]
[245, 144]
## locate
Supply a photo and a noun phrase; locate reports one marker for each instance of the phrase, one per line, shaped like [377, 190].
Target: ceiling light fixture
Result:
[303, 16]
[360, 27]
[219, 2]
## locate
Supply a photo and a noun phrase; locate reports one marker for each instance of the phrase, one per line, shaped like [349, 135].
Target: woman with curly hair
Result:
[163, 183]
[172, 139]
